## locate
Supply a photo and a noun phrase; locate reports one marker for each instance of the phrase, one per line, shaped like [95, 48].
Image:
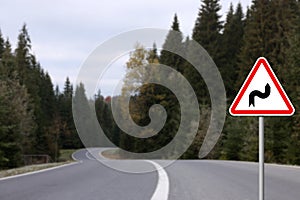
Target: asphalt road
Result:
[188, 180]
[88, 180]
[219, 180]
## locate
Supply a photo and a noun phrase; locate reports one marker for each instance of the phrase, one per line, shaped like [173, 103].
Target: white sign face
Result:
[261, 94]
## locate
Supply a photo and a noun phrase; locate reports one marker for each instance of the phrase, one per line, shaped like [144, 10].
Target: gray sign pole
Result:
[261, 159]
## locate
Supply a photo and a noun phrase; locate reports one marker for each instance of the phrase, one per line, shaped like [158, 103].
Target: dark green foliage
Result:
[105, 118]
[232, 39]
[173, 42]
[16, 122]
[292, 77]
[1, 45]
[269, 29]
[207, 28]
[207, 33]
[40, 89]
[34, 118]
[269, 26]
[86, 125]
[69, 138]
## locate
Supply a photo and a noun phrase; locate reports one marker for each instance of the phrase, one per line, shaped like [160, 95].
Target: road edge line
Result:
[38, 171]
[89, 157]
[162, 188]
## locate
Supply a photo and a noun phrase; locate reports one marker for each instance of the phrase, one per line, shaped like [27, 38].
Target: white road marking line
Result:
[89, 157]
[163, 185]
[281, 165]
[37, 172]
[162, 188]
[44, 170]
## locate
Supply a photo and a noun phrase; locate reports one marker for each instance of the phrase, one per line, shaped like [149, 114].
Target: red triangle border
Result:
[261, 61]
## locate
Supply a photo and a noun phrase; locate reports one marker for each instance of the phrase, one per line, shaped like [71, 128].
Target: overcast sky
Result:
[65, 32]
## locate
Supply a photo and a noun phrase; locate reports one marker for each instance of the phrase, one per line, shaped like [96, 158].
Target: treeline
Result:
[35, 118]
[269, 28]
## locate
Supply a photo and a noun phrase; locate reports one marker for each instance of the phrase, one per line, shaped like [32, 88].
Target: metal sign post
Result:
[261, 95]
[261, 159]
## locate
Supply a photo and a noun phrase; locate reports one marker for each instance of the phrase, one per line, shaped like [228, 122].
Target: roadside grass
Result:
[112, 154]
[29, 168]
[65, 158]
[66, 155]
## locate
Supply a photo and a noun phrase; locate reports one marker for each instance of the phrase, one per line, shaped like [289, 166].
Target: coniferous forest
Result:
[36, 116]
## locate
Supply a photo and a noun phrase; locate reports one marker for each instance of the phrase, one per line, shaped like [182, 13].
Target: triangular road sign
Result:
[261, 94]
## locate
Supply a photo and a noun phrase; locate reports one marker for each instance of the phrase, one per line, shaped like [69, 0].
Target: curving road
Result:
[87, 180]
[188, 180]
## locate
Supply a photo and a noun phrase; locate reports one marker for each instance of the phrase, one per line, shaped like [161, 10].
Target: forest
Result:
[36, 116]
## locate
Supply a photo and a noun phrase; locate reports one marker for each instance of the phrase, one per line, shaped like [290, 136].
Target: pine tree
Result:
[232, 137]
[68, 89]
[85, 123]
[1, 45]
[207, 33]
[232, 39]
[207, 29]
[292, 77]
[16, 122]
[69, 138]
[8, 61]
[268, 27]
[173, 42]
[40, 88]
[105, 118]
[22, 54]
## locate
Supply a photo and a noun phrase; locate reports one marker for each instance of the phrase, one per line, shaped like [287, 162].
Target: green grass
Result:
[29, 168]
[66, 155]
[112, 154]
[64, 158]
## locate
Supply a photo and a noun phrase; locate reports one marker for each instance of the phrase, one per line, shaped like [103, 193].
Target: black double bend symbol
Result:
[259, 94]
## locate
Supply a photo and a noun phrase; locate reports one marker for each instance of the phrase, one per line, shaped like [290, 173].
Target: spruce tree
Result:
[207, 29]
[268, 27]
[85, 123]
[232, 39]
[68, 89]
[40, 88]
[207, 33]
[292, 76]
[8, 61]
[173, 42]
[1, 45]
[16, 122]
[23, 55]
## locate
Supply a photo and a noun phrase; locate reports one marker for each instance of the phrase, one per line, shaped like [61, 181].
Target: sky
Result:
[64, 32]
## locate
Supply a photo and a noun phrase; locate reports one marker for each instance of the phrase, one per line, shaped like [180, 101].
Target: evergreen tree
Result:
[207, 33]
[207, 29]
[268, 27]
[173, 42]
[232, 138]
[68, 89]
[105, 118]
[1, 45]
[69, 137]
[16, 122]
[292, 77]
[23, 55]
[85, 124]
[232, 39]
[40, 88]
[8, 61]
